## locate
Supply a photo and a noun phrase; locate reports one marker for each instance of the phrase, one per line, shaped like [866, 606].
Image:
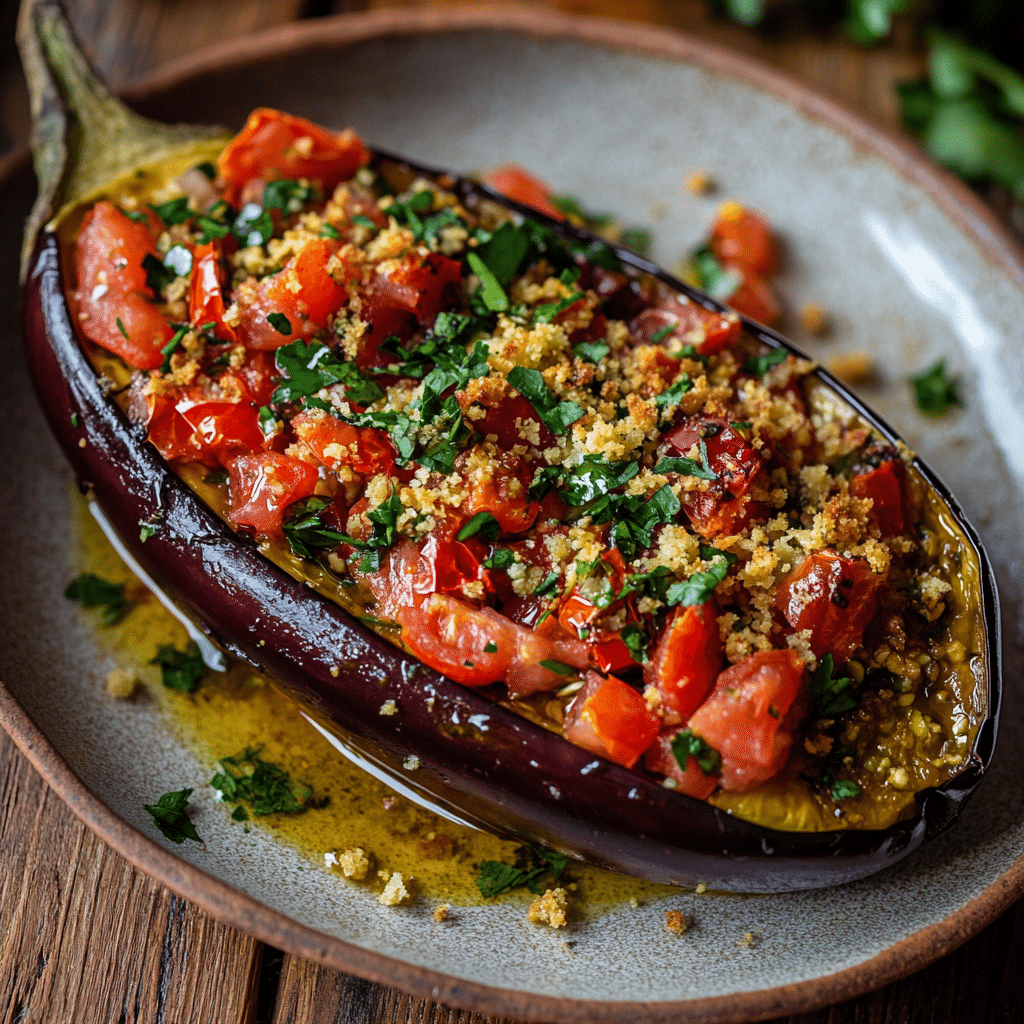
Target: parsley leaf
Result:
[760, 365]
[674, 394]
[280, 323]
[490, 289]
[310, 366]
[503, 253]
[844, 789]
[531, 865]
[684, 467]
[262, 785]
[170, 816]
[571, 205]
[304, 528]
[685, 745]
[634, 517]
[935, 392]
[557, 416]
[831, 696]
[253, 226]
[385, 532]
[501, 558]
[484, 524]
[175, 211]
[715, 279]
[591, 351]
[288, 196]
[548, 585]
[558, 667]
[180, 670]
[93, 591]
[635, 637]
[701, 585]
[594, 477]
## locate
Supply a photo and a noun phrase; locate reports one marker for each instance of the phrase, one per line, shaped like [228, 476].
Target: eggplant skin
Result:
[488, 765]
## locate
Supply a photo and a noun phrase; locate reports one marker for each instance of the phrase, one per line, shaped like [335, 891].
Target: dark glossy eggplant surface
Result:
[485, 764]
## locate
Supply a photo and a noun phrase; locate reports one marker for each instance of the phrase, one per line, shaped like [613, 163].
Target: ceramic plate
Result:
[911, 268]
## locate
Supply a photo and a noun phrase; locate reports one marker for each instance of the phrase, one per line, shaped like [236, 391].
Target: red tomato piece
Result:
[707, 330]
[611, 719]
[417, 284]
[522, 186]
[206, 291]
[502, 489]
[263, 485]
[755, 298]
[258, 376]
[743, 238]
[304, 292]
[336, 443]
[833, 597]
[743, 718]
[445, 566]
[477, 646]
[725, 507]
[192, 427]
[886, 487]
[686, 661]
[692, 781]
[512, 420]
[116, 307]
[608, 653]
[275, 145]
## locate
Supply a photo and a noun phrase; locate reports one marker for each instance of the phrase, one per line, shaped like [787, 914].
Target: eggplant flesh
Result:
[452, 745]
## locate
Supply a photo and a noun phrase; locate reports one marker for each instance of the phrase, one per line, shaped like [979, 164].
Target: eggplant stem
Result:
[84, 137]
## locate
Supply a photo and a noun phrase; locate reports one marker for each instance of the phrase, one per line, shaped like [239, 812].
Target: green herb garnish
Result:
[264, 787]
[557, 416]
[760, 365]
[934, 391]
[532, 864]
[831, 696]
[170, 816]
[93, 591]
[175, 211]
[305, 530]
[701, 585]
[685, 745]
[484, 524]
[684, 467]
[280, 323]
[180, 670]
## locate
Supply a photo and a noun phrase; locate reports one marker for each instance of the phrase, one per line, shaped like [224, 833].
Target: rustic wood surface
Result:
[84, 937]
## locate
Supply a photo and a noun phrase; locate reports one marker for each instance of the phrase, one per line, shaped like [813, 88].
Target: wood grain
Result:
[85, 937]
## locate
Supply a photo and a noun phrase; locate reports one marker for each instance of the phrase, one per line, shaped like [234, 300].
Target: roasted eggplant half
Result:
[700, 556]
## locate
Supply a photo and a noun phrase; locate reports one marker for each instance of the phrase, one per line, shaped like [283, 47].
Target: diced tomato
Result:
[500, 487]
[512, 420]
[608, 653]
[611, 719]
[743, 238]
[709, 332]
[755, 298]
[393, 584]
[725, 507]
[686, 661]
[188, 426]
[522, 186]
[886, 487]
[275, 145]
[477, 646]
[446, 565]
[303, 292]
[117, 309]
[206, 291]
[744, 718]
[258, 375]
[692, 781]
[833, 597]
[263, 485]
[336, 443]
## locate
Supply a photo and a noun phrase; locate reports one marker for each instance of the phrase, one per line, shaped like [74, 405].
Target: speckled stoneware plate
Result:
[912, 269]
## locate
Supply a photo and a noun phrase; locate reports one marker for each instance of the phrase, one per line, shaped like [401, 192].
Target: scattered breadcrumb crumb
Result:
[354, 863]
[701, 887]
[82, 442]
[441, 912]
[633, 902]
[411, 763]
[394, 892]
[389, 707]
[676, 922]
[749, 941]
[814, 318]
[121, 683]
[852, 367]
[334, 671]
[549, 909]
[699, 182]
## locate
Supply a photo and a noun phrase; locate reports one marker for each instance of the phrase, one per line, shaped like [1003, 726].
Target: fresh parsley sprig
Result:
[92, 591]
[686, 745]
[171, 818]
[180, 670]
[557, 416]
[531, 865]
[701, 585]
[832, 696]
[264, 787]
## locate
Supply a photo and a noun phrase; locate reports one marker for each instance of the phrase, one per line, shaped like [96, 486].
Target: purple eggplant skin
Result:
[486, 764]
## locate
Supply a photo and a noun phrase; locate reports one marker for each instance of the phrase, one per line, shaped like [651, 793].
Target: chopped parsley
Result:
[685, 745]
[264, 787]
[385, 532]
[760, 365]
[531, 865]
[280, 323]
[171, 347]
[592, 478]
[635, 637]
[831, 696]
[935, 392]
[484, 524]
[834, 763]
[558, 667]
[501, 558]
[634, 517]
[308, 366]
[685, 467]
[93, 591]
[548, 585]
[491, 293]
[180, 670]
[662, 333]
[571, 205]
[719, 282]
[253, 226]
[674, 394]
[591, 351]
[175, 211]
[701, 585]
[288, 196]
[557, 416]
[170, 816]
[305, 530]
[121, 327]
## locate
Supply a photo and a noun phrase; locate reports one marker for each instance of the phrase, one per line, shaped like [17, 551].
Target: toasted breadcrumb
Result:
[549, 909]
[852, 367]
[389, 707]
[394, 892]
[121, 683]
[441, 913]
[749, 941]
[699, 182]
[354, 863]
[814, 318]
[676, 922]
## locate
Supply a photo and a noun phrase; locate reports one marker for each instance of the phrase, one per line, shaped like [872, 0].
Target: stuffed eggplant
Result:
[633, 579]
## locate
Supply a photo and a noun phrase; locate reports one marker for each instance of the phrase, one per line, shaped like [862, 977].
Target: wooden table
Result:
[84, 936]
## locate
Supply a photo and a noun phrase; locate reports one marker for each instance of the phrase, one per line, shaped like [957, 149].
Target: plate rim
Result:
[244, 912]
